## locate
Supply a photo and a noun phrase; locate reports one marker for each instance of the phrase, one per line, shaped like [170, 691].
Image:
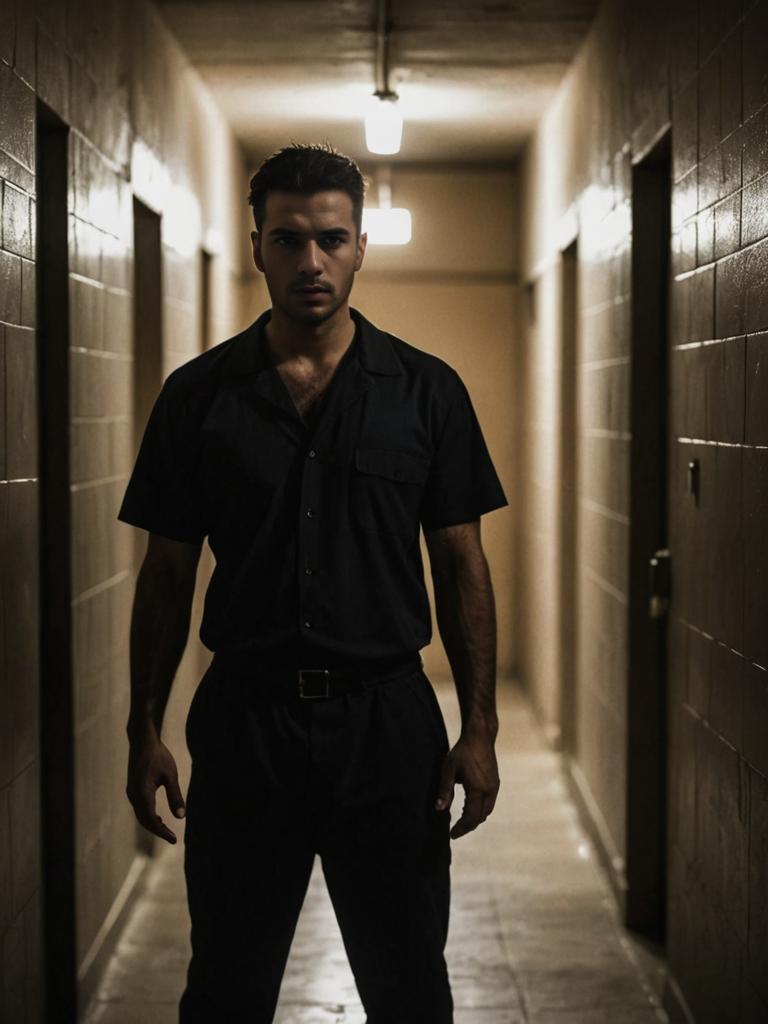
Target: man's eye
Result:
[332, 242]
[284, 241]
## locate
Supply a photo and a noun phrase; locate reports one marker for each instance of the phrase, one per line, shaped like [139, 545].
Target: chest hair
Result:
[306, 389]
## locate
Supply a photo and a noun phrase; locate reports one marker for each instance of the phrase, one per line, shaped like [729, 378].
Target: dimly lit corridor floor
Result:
[534, 934]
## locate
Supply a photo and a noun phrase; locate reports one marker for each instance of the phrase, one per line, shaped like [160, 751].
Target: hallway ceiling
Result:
[472, 77]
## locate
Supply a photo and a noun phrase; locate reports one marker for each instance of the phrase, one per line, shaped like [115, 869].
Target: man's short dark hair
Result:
[305, 170]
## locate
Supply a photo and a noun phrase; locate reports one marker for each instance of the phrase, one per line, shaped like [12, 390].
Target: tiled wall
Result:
[140, 123]
[700, 66]
[720, 418]
[20, 869]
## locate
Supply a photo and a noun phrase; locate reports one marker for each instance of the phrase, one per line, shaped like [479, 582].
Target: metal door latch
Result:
[693, 479]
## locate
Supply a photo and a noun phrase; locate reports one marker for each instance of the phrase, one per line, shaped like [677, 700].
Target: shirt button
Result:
[312, 453]
[307, 624]
[308, 571]
[309, 513]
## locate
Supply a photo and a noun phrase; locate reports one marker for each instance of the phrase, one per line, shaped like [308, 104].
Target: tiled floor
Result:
[534, 936]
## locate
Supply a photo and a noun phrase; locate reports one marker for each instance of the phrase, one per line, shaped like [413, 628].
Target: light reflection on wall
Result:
[610, 223]
[179, 207]
[181, 221]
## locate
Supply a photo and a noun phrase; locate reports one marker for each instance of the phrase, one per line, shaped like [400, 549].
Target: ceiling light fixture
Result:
[387, 225]
[383, 120]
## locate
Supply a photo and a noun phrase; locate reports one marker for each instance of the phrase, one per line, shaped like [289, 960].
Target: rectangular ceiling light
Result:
[390, 226]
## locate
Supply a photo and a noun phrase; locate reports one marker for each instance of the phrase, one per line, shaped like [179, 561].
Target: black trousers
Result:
[352, 779]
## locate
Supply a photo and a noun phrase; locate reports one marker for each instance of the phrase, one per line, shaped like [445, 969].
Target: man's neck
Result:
[321, 344]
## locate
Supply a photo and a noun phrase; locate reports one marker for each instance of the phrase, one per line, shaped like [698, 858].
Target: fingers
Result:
[472, 763]
[445, 789]
[145, 775]
[147, 816]
[489, 802]
[478, 805]
[471, 816]
[175, 799]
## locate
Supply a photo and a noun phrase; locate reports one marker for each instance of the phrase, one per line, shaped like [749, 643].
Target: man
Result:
[309, 450]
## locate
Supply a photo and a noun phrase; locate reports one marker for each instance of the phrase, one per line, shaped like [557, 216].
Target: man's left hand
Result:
[471, 762]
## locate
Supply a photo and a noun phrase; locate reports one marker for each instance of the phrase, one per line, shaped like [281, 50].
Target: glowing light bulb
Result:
[383, 125]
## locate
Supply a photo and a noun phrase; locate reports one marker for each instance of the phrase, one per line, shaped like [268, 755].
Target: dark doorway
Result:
[147, 314]
[147, 358]
[56, 680]
[569, 305]
[147, 339]
[646, 711]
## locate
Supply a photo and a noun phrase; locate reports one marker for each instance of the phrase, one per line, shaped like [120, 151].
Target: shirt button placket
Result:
[308, 542]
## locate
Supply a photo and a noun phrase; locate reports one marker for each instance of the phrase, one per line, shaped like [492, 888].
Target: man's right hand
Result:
[151, 765]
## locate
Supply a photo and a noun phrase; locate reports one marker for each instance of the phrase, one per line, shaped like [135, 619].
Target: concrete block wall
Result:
[140, 124]
[20, 868]
[699, 67]
[720, 419]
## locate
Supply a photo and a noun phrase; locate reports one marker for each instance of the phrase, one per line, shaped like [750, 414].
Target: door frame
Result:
[57, 715]
[645, 894]
[568, 504]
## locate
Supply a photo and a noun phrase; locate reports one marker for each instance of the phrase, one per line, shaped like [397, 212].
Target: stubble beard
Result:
[313, 318]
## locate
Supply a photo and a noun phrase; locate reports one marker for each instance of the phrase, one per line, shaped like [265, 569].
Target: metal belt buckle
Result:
[314, 682]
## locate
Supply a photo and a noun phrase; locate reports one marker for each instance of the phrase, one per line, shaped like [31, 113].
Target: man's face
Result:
[308, 251]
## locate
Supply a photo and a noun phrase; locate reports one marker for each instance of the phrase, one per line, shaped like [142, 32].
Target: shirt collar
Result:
[376, 352]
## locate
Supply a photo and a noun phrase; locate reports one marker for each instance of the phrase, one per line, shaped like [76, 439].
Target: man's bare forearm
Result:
[466, 617]
[159, 632]
[159, 629]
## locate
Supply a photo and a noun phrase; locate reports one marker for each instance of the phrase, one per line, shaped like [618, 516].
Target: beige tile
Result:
[17, 117]
[28, 308]
[19, 591]
[17, 222]
[6, 911]
[330, 1014]
[579, 990]
[24, 813]
[608, 1015]
[125, 982]
[127, 1013]
[10, 286]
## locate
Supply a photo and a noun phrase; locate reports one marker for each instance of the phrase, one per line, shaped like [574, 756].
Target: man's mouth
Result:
[312, 289]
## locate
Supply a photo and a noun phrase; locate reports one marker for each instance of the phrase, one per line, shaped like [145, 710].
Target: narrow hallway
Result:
[534, 932]
[562, 207]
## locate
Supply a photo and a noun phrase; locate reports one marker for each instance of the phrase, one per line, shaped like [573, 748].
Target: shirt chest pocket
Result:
[386, 490]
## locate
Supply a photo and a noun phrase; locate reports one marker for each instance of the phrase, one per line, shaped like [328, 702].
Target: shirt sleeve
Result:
[462, 483]
[161, 496]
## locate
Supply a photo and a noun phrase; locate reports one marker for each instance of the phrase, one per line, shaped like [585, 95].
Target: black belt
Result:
[314, 683]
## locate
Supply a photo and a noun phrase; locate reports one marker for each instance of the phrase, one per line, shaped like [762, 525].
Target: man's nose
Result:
[310, 258]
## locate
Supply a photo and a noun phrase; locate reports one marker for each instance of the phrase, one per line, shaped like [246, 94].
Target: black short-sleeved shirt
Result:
[315, 530]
